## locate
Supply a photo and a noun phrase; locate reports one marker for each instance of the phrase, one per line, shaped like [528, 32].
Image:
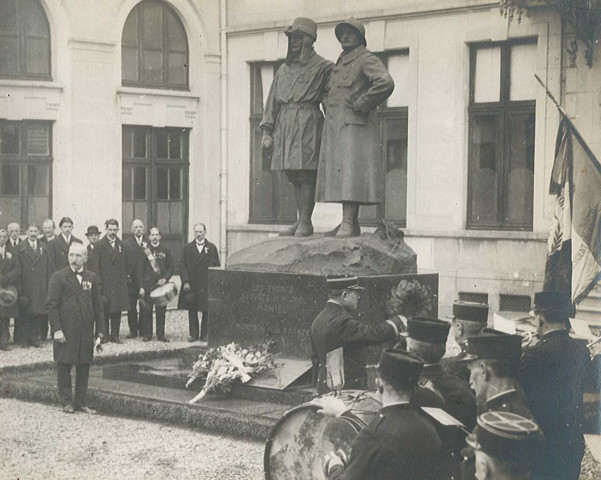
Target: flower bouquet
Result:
[411, 299]
[223, 366]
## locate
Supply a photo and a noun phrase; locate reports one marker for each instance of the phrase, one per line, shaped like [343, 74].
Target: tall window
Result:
[24, 40]
[393, 117]
[271, 195]
[25, 172]
[155, 181]
[154, 48]
[502, 121]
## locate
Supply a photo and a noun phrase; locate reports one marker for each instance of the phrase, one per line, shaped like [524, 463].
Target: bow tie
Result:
[198, 244]
[78, 273]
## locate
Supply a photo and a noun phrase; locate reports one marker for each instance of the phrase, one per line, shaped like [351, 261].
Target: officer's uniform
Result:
[508, 438]
[471, 312]
[553, 375]
[335, 327]
[399, 443]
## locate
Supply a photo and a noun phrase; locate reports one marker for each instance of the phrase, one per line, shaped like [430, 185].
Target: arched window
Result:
[154, 48]
[24, 40]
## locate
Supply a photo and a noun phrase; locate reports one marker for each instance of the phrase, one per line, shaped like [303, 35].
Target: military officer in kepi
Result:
[506, 445]
[400, 443]
[553, 374]
[350, 170]
[292, 120]
[335, 327]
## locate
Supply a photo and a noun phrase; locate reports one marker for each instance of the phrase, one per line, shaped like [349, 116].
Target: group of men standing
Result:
[523, 410]
[128, 271]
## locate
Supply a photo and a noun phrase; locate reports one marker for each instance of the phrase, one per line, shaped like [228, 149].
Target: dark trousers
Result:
[17, 330]
[146, 319]
[30, 327]
[134, 322]
[42, 327]
[193, 324]
[4, 331]
[112, 324]
[63, 378]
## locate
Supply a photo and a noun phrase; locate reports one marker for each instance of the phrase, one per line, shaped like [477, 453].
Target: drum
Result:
[298, 442]
[162, 295]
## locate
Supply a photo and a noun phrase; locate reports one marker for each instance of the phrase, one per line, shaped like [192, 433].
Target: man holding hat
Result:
[350, 170]
[292, 120]
[506, 445]
[469, 319]
[553, 374]
[58, 248]
[9, 278]
[335, 327]
[399, 443]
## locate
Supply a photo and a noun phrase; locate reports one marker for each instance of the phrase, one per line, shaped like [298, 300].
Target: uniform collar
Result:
[349, 57]
[501, 394]
[559, 331]
[394, 406]
[431, 369]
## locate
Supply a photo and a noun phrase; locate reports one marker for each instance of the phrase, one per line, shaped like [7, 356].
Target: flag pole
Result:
[550, 95]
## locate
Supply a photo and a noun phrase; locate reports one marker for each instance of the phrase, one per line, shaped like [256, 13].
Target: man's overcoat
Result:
[76, 309]
[350, 162]
[292, 114]
[35, 267]
[110, 265]
[194, 269]
[59, 251]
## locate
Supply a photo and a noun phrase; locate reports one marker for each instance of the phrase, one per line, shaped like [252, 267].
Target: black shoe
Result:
[116, 340]
[87, 410]
[4, 347]
[132, 335]
[146, 339]
[34, 344]
[203, 338]
[163, 338]
[193, 339]
[68, 409]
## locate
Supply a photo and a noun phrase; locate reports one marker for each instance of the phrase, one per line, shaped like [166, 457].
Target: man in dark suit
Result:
[399, 443]
[48, 228]
[553, 374]
[335, 327]
[109, 263]
[93, 235]
[14, 230]
[134, 247]
[59, 246]
[35, 267]
[197, 257]
[9, 276]
[155, 271]
[74, 308]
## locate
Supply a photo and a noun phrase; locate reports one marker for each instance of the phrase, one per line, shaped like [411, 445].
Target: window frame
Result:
[165, 50]
[22, 38]
[503, 109]
[24, 161]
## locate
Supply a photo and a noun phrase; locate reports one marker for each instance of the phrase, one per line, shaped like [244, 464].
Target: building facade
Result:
[150, 109]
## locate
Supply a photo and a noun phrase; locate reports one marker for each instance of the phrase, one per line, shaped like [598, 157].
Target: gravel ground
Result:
[176, 329]
[42, 442]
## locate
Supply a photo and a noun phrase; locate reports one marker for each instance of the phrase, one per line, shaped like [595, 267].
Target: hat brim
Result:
[342, 25]
[355, 287]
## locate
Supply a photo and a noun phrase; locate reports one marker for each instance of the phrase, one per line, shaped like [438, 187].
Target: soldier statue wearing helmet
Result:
[292, 120]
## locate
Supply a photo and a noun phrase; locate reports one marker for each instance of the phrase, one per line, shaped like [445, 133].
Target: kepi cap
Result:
[398, 364]
[506, 436]
[470, 311]
[355, 25]
[430, 330]
[343, 282]
[303, 25]
[494, 346]
[560, 302]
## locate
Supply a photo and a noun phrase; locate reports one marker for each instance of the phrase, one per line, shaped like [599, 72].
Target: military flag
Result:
[574, 245]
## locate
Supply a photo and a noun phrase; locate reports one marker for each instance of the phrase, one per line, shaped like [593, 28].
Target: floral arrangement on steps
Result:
[224, 366]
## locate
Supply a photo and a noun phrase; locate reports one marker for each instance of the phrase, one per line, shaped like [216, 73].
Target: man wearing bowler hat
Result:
[292, 120]
[506, 445]
[58, 247]
[350, 170]
[93, 235]
[399, 443]
[335, 327]
[469, 319]
[553, 374]
[9, 280]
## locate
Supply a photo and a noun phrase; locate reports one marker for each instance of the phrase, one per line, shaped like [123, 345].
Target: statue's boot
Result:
[291, 230]
[350, 220]
[305, 227]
